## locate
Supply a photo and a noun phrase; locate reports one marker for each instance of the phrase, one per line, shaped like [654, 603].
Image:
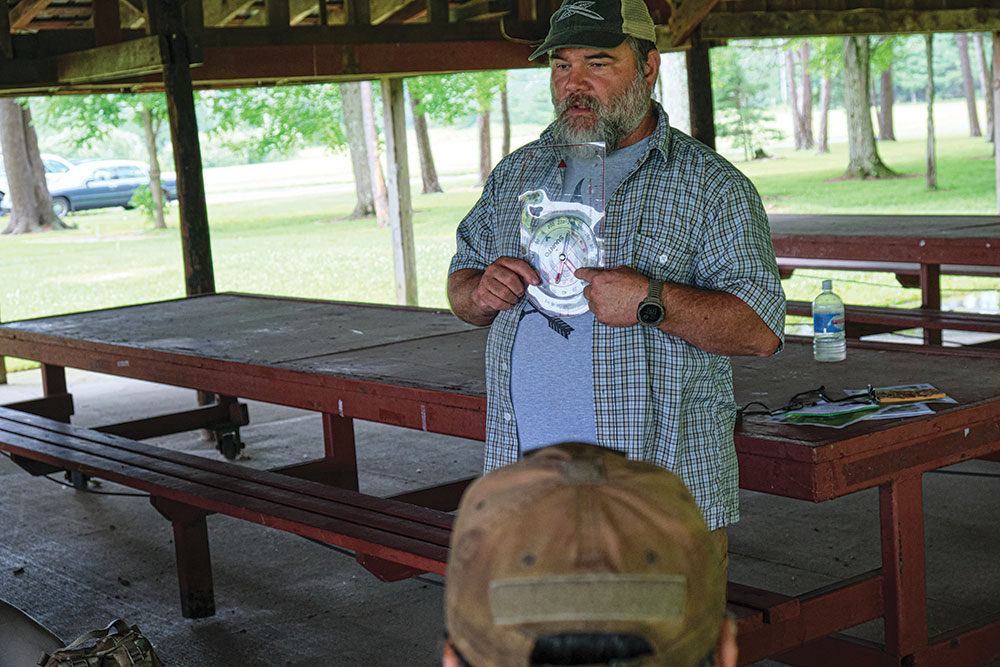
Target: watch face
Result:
[650, 314]
[560, 244]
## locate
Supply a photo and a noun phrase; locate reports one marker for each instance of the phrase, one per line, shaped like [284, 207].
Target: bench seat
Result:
[865, 320]
[393, 539]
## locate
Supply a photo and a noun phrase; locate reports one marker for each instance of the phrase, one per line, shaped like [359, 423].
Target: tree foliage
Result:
[257, 122]
[92, 119]
[447, 98]
[740, 95]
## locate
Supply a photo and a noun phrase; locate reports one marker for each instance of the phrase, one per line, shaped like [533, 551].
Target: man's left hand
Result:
[614, 294]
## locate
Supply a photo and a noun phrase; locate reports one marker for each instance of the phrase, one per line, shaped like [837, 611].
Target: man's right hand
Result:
[477, 296]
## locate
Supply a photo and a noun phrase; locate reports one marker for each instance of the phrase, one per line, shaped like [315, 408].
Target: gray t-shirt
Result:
[552, 378]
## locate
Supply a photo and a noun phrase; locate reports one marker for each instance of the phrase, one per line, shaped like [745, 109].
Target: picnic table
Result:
[920, 247]
[424, 369]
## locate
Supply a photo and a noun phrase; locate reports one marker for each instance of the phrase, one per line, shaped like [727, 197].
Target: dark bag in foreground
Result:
[124, 647]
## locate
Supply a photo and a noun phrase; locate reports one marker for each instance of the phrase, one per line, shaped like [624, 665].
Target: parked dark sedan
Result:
[100, 184]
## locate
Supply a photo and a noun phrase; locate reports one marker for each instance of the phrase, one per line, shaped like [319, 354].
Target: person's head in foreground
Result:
[577, 556]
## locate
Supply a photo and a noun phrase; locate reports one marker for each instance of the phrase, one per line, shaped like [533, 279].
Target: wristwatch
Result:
[650, 311]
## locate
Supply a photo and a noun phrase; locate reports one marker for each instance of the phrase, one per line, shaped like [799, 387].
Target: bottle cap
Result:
[827, 285]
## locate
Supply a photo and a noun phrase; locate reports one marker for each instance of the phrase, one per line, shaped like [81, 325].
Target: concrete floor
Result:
[76, 560]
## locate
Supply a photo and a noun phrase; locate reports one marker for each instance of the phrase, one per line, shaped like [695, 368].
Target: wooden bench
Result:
[866, 320]
[393, 539]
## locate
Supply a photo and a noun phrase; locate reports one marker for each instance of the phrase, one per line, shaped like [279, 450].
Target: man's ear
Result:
[449, 659]
[726, 650]
[652, 69]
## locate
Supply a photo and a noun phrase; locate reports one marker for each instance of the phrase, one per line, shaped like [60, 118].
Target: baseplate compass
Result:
[558, 238]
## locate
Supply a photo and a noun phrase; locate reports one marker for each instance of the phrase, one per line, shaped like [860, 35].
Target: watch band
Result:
[655, 290]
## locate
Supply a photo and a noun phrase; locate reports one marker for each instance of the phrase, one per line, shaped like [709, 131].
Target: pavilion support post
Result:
[166, 18]
[996, 112]
[398, 186]
[699, 80]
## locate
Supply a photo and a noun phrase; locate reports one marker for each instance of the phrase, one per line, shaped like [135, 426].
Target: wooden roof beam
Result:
[25, 12]
[277, 13]
[107, 21]
[6, 43]
[685, 17]
[137, 57]
[747, 25]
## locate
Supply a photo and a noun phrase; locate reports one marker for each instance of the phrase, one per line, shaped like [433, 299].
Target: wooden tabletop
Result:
[929, 239]
[423, 368]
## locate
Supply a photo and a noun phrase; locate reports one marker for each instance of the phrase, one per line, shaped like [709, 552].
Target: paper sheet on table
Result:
[829, 415]
[900, 410]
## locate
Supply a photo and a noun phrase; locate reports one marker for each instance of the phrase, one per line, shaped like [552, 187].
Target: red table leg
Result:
[338, 447]
[905, 578]
[930, 297]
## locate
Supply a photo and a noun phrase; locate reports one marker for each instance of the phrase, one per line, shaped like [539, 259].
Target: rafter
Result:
[737, 25]
[133, 16]
[25, 12]
[685, 17]
[221, 12]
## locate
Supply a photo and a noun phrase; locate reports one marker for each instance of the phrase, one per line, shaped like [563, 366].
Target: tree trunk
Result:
[428, 173]
[984, 82]
[823, 144]
[805, 105]
[29, 194]
[863, 161]
[886, 131]
[49, 218]
[968, 87]
[155, 185]
[354, 126]
[485, 151]
[379, 194]
[505, 117]
[793, 98]
[931, 157]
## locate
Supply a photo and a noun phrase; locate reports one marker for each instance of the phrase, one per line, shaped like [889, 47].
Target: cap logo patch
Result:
[581, 8]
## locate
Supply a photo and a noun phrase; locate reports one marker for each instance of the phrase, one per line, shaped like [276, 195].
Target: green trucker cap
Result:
[596, 24]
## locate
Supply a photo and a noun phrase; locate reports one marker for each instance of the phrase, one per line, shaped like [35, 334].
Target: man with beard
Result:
[691, 277]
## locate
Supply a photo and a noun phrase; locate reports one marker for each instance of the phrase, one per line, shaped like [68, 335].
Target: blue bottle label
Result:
[828, 323]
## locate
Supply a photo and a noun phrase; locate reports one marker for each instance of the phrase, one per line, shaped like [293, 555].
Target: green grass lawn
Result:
[305, 246]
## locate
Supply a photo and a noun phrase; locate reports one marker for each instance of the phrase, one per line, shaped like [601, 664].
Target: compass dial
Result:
[560, 244]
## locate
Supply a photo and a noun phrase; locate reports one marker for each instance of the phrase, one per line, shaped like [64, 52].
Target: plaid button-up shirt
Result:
[684, 215]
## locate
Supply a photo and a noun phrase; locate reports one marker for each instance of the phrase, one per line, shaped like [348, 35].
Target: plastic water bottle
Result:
[829, 342]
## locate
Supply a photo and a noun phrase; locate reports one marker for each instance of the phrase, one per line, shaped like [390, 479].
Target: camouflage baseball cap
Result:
[578, 539]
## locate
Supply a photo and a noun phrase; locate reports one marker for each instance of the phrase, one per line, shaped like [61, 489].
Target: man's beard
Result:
[614, 121]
